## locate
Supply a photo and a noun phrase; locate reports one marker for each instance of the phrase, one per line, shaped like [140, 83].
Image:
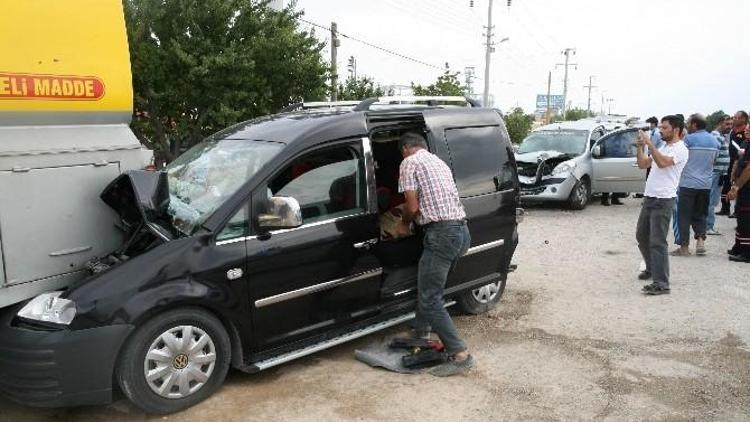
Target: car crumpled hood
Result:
[536, 156]
[139, 196]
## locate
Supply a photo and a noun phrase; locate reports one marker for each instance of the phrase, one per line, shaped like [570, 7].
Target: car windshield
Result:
[206, 175]
[565, 141]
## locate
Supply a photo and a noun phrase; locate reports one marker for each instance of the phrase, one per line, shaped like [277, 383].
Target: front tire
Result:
[482, 299]
[175, 360]
[580, 195]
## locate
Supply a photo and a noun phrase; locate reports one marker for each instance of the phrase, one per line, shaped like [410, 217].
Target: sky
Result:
[650, 57]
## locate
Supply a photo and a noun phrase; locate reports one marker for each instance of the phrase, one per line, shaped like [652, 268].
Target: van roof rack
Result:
[318, 105]
[429, 101]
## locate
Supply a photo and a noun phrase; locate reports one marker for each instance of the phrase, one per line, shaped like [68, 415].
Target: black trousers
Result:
[692, 210]
[742, 237]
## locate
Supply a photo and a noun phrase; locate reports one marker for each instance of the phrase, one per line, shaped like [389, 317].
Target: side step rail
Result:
[296, 354]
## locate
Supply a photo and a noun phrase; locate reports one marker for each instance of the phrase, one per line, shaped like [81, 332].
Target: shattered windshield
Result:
[565, 141]
[205, 176]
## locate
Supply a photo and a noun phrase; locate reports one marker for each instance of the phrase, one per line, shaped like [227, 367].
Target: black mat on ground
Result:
[379, 355]
[391, 353]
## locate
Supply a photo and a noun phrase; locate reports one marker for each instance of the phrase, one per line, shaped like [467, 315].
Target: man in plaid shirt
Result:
[432, 202]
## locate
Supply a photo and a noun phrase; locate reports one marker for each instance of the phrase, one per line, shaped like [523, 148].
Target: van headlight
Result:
[563, 168]
[49, 307]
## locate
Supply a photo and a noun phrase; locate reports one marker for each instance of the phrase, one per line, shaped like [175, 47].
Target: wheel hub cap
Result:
[488, 293]
[179, 362]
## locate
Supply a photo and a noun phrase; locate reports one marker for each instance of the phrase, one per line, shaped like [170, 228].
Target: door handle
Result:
[634, 165]
[366, 245]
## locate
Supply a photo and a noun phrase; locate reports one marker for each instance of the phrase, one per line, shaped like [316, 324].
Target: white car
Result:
[569, 161]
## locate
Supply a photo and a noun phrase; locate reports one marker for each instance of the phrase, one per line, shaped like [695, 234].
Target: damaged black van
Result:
[262, 244]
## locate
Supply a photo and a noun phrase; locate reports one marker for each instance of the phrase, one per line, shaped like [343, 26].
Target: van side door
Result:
[322, 275]
[476, 146]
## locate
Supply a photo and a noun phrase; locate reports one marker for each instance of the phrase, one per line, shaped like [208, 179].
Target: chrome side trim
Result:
[485, 247]
[315, 288]
[403, 292]
[369, 160]
[278, 360]
[304, 226]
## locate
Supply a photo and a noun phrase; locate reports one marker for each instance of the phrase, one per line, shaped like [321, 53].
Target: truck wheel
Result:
[175, 360]
[580, 195]
[482, 299]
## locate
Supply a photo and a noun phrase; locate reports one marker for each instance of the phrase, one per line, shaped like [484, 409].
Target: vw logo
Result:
[180, 361]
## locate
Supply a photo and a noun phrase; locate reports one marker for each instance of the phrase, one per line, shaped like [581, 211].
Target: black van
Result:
[258, 246]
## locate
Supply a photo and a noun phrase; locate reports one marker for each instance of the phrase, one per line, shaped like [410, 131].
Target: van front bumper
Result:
[58, 368]
[551, 189]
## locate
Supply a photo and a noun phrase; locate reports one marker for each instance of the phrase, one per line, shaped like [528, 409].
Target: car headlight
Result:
[563, 168]
[49, 307]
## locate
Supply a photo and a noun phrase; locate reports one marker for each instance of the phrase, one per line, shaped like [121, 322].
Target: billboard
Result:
[555, 103]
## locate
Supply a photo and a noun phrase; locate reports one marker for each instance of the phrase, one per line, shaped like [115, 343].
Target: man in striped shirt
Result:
[432, 202]
[721, 167]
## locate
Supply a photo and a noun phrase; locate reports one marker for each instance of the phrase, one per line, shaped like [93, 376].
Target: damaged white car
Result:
[570, 161]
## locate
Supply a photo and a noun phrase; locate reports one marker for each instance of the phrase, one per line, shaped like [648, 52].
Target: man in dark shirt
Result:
[736, 138]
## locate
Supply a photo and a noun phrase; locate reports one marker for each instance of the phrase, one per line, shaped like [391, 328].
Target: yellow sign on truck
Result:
[66, 100]
[64, 56]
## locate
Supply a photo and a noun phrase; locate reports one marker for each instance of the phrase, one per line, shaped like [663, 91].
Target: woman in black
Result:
[740, 190]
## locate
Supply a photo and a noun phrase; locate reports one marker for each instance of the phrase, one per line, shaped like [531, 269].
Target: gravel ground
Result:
[572, 339]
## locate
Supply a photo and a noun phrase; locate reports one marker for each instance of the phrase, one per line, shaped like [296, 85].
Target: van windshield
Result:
[565, 141]
[206, 175]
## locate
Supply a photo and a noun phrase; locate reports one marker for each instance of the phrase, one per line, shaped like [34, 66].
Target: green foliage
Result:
[713, 118]
[199, 66]
[447, 84]
[518, 124]
[359, 89]
[572, 114]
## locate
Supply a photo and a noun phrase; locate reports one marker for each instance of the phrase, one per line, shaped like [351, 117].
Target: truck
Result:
[66, 101]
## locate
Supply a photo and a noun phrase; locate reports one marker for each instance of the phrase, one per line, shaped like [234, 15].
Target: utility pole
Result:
[590, 86]
[549, 89]
[490, 48]
[609, 103]
[469, 72]
[335, 43]
[353, 67]
[567, 52]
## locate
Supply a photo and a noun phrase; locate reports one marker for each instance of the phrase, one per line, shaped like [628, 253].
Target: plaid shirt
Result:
[432, 179]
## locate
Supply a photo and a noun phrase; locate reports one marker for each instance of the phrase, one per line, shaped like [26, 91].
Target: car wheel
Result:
[482, 299]
[580, 195]
[174, 360]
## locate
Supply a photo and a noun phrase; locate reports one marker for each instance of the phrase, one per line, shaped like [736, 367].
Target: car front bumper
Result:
[58, 368]
[551, 189]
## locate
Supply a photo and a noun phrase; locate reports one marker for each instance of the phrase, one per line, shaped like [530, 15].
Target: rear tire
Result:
[580, 195]
[161, 373]
[482, 299]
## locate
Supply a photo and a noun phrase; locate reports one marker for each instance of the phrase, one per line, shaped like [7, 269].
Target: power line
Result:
[371, 45]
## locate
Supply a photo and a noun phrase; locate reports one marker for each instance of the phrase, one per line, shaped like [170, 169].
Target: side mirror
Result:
[284, 212]
[596, 151]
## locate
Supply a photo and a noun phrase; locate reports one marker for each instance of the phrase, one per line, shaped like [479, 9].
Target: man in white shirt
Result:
[666, 164]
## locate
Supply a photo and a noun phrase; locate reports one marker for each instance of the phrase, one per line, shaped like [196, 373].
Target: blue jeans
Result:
[714, 200]
[444, 243]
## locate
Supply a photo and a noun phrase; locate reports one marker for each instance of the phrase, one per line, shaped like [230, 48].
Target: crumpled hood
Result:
[537, 156]
[139, 196]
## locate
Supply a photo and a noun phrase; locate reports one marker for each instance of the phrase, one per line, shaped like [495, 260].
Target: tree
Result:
[713, 118]
[359, 89]
[199, 66]
[518, 124]
[573, 114]
[447, 84]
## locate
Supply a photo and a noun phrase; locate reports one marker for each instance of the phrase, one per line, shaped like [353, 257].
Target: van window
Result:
[477, 155]
[236, 226]
[621, 145]
[327, 183]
